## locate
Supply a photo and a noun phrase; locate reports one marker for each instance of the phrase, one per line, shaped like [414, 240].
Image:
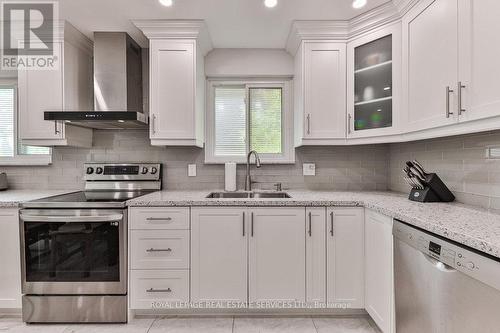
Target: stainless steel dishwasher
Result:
[443, 287]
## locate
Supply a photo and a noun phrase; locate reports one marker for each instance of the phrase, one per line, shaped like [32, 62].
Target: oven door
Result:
[73, 251]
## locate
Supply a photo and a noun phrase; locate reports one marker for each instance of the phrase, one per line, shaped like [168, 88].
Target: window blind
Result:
[7, 121]
[265, 120]
[230, 121]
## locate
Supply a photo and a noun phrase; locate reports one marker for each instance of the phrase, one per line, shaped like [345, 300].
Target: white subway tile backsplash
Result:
[462, 163]
[337, 168]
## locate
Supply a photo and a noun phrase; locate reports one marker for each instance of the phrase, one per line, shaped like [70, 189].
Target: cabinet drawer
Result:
[159, 218]
[154, 289]
[159, 249]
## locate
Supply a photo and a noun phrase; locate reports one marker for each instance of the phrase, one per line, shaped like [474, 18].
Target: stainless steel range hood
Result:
[117, 86]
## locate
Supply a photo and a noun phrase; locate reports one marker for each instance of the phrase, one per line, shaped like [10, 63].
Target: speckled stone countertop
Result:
[464, 224]
[12, 198]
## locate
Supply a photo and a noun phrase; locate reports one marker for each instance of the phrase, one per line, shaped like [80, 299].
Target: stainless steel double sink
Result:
[248, 195]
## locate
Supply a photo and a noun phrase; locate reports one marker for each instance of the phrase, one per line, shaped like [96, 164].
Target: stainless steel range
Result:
[74, 246]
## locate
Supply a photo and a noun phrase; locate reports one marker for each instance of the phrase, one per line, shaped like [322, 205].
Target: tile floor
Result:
[206, 325]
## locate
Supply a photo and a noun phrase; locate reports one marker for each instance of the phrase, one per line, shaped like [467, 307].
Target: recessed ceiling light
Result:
[270, 3]
[358, 3]
[166, 3]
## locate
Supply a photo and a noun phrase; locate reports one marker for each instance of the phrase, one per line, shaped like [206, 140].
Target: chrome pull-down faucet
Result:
[248, 180]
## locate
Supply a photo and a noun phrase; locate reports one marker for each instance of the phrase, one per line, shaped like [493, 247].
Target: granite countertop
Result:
[468, 225]
[12, 198]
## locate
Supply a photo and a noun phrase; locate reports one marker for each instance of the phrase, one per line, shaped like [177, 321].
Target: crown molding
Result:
[177, 29]
[315, 30]
[343, 30]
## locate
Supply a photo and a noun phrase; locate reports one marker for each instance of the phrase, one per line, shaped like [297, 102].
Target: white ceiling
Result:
[231, 23]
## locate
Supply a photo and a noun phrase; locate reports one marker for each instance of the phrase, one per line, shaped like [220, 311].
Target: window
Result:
[12, 152]
[245, 116]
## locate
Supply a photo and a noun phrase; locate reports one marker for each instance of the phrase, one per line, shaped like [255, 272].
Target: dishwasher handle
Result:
[438, 264]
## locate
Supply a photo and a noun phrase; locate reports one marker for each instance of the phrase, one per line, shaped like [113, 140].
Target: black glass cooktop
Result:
[86, 199]
[94, 196]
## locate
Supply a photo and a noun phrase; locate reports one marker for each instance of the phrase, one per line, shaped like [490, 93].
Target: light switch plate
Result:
[191, 170]
[309, 169]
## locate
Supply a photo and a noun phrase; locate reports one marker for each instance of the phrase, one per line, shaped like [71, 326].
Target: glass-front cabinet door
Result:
[374, 74]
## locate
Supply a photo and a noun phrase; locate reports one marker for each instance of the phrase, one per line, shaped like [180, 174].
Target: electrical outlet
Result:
[309, 169]
[191, 170]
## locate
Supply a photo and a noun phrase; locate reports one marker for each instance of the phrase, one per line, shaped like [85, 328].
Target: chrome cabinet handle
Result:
[243, 224]
[459, 91]
[159, 250]
[159, 219]
[308, 123]
[153, 127]
[251, 224]
[331, 224]
[448, 92]
[56, 129]
[310, 224]
[349, 118]
[151, 290]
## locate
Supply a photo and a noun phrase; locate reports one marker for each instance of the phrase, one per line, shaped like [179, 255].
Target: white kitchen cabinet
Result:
[320, 93]
[176, 93]
[68, 87]
[379, 276]
[374, 83]
[316, 255]
[219, 254]
[277, 254]
[430, 62]
[159, 289]
[159, 255]
[161, 249]
[345, 256]
[10, 261]
[478, 56]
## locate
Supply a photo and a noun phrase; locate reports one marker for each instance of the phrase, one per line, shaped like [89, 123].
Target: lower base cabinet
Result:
[345, 257]
[277, 255]
[159, 289]
[263, 257]
[379, 276]
[247, 255]
[159, 258]
[219, 249]
[10, 268]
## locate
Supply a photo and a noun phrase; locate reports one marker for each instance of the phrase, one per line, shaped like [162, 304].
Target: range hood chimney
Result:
[117, 86]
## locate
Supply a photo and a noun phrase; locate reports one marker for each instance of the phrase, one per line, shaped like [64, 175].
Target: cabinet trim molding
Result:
[177, 29]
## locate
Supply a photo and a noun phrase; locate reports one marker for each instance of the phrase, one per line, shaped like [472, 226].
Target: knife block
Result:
[434, 191]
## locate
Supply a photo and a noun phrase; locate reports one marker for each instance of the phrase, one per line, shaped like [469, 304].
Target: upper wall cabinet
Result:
[430, 64]
[374, 83]
[177, 80]
[448, 55]
[320, 90]
[479, 52]
[67, 88]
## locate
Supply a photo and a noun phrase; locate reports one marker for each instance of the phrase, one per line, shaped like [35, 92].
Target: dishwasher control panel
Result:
[472, 263]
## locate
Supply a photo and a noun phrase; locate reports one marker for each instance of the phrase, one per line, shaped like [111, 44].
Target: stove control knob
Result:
[98, 170]
[154, 170]
[144, 170]
[470, 265]
[90, 170]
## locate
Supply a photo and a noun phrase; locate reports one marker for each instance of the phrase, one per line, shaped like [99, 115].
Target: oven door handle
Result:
[91, 218]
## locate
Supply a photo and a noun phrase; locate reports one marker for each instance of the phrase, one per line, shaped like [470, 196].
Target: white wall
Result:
[248, 63]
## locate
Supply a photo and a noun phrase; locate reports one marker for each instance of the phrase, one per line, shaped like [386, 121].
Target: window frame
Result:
[288, 151]
[20, 159]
